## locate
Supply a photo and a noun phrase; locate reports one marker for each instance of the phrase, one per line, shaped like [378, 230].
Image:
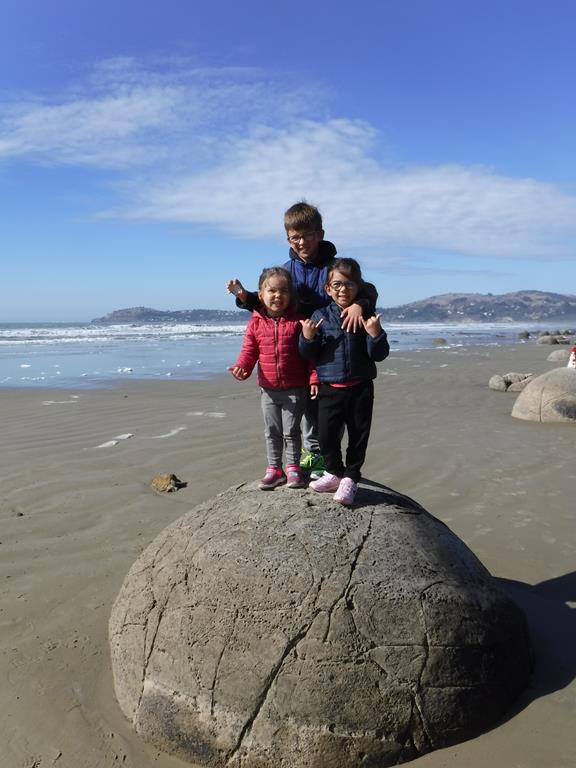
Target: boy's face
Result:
[305, 242]
[341, 289]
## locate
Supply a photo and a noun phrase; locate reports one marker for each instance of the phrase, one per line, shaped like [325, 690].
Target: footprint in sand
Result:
[115, 440]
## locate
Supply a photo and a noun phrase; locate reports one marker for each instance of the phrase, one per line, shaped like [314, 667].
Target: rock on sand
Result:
[550, 397]
[510, 382]
[559, 356]
[282, 630]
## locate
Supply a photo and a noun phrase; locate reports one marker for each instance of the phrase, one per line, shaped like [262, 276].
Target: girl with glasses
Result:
[345, 365]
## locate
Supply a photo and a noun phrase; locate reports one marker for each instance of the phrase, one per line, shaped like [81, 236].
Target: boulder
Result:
[559, 356]
[283, 630]
[549, 397]
[553, 339]
[510, 382]
[440, 341]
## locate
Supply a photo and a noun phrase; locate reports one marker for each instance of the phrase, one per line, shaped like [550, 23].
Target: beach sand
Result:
[75, 516]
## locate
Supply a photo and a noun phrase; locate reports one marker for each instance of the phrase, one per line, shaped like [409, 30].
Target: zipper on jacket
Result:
[276, 321]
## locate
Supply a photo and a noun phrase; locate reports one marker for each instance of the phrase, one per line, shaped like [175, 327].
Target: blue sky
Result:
[148, 150]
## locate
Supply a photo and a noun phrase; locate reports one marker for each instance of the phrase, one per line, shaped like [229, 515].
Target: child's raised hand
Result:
[238, 372]
[236, 288]
[372, 326]
[309, 328]
[352, 318]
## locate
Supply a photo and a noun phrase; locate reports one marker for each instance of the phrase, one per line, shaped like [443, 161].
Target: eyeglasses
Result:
[295, 239]
[338, 285]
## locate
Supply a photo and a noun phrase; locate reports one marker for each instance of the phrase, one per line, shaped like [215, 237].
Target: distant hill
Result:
[149, 315]
[521, 306]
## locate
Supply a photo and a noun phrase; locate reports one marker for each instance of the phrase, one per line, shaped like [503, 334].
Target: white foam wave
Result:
[97, 334]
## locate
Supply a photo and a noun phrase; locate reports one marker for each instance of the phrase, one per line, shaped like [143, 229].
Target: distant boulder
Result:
[440, 341]
[510, 382]
[559, 356]
[553, 339]
[550, 397]
[524, 335]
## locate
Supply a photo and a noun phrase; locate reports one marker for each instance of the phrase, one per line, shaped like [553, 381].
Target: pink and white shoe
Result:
[346, 492]
[274, 476]
[326, 484]
[294, 476]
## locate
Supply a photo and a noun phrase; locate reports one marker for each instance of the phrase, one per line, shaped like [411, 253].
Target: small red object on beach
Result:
[572, 358]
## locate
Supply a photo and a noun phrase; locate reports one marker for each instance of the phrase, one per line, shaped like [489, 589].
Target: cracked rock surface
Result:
[282, 630]
[549, 397]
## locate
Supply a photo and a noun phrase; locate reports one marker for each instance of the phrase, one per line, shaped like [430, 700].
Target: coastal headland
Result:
[77, 509]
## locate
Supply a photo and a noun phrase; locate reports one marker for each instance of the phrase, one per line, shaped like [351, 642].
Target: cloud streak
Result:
[470, 211]
[126, 116]
[230, 148]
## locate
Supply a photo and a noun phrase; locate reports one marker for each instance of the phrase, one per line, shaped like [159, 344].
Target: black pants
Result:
[350, 406]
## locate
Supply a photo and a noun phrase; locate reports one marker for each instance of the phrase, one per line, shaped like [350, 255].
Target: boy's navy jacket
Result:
[340, 356]
[309, 280]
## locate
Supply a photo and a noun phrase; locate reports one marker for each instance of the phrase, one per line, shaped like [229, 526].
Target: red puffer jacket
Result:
[272, 342]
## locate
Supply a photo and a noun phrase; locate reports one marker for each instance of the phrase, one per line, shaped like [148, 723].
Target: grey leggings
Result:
[282, 410]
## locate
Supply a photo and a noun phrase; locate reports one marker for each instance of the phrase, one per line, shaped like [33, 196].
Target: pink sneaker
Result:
[274, 476]
[346, 492]
[294, 475]
[326, 484]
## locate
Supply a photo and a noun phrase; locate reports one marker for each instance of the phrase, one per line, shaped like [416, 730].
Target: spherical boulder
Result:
[549, 339]
[510, 382]
[282, 630]
[559, 356]
[549, 397]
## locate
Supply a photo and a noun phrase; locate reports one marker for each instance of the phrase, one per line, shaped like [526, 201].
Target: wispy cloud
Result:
[230, 149]
[457, 209]
[124, 115]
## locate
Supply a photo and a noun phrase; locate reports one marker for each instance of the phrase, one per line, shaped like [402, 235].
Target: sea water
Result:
[90, 355]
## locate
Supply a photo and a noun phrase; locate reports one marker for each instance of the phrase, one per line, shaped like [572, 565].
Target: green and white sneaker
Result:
[313, 463]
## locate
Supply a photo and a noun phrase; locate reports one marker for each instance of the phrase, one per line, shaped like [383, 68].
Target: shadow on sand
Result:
[552, 624]
[549, 607]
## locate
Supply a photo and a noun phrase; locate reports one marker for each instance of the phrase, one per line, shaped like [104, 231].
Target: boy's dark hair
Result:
[348, 267]
[301, 216]
[285, 275]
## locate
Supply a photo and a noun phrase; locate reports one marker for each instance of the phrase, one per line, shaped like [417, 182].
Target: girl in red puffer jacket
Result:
[271, 340]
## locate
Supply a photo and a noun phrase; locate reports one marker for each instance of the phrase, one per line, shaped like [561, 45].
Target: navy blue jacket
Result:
[340, 356]
[309, 280]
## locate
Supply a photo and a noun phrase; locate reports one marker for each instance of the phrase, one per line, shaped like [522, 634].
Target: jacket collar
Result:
[326, 252]
[261, 312]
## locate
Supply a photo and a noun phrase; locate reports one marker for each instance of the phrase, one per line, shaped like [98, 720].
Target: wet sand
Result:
[75, 512]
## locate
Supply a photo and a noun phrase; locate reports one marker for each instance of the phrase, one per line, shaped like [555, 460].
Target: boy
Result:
[310, 260]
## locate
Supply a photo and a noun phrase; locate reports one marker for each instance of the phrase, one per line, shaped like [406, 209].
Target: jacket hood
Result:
[326, 252]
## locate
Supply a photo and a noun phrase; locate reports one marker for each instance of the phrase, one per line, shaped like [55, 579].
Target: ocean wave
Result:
[47, 335]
